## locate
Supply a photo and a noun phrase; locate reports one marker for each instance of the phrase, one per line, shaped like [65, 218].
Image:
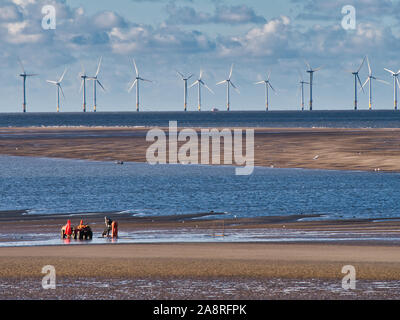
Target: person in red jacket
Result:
[67, 230]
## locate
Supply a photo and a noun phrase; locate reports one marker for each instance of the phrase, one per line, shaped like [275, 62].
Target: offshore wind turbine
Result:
[84, 77]
[302, 83]
[200, 83]
[228, 84]
[268, 85]
[24, 75]
[395, 84]
[95, 82]
[136, 82]
[58, 85]
[369, 79]
[311, 72]
[185, 96]
[356, 81]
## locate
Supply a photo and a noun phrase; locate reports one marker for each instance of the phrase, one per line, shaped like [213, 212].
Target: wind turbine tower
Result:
[95, 82]
[369, 79]
[228, 84]
[357, 80]
[267, 86]
[136, 82]
[311, 72]
[84, 77]
[200, 83]
[395, 84]
[185, 95]
[24, 75]
[302, 83]
[58, 85]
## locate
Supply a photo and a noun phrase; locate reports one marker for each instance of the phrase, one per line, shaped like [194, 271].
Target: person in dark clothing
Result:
[108, 228]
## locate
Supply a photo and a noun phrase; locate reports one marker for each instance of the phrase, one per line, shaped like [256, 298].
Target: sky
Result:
[165, 36]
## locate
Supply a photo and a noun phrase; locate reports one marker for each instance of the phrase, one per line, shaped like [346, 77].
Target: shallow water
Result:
[45, 185]
[203, 236]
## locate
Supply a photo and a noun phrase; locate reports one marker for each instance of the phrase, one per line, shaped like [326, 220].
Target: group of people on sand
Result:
[111, 227]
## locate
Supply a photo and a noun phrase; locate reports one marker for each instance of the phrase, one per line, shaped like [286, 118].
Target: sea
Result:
[43, 185]
[278, 119]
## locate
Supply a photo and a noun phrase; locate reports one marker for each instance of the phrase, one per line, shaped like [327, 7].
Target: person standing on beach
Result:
[108, 228]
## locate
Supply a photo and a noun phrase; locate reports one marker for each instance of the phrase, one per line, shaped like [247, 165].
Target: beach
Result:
[216, 268]
[312, 148]
[205, 255]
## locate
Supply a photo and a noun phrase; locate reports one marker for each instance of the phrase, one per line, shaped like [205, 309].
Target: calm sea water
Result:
[58, 186]
[334, 119]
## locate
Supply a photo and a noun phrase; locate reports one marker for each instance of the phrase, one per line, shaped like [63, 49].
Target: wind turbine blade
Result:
[230, 73]
[52, 82]
[317, 69]
[136, 69]
[201, 74]
[62, 77]
[196, 82]
[98, 67]
[269, 75]
[359, 81]
[100, 85]
[61, 90]
[208, 88]
[398, 83]
[259, 82]
[369, 67]
[133, 84]
[271, 87]
[308, 65]
[383, 81]
[221, 82]
[32, 75]
[390, 71]
[301, 77]
[362, 63]
[366, 81]
[181, 75]
[190, 76]
[145, 80]
[21, 65]
[81, 85]
[234, 87]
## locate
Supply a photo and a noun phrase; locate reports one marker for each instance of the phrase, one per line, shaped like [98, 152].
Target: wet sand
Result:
[314, 148]
[201, 270]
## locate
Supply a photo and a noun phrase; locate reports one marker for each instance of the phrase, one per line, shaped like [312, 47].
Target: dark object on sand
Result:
[119, 162]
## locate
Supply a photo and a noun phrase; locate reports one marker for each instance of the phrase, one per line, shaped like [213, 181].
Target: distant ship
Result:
[214, 110]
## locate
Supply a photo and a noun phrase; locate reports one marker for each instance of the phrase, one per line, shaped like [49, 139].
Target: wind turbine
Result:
[24, 75]
[228, 84]
[58, 85]
[95, 82]
[302, 83]
[395, 84]
[136, 82]
[200, 83]
[185, 80]
[311, 72]
[357, 79]
[84, 77]
[369, 79]
[267, 86]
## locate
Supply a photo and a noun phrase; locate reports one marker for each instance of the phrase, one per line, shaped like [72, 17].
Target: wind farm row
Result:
[199, 82]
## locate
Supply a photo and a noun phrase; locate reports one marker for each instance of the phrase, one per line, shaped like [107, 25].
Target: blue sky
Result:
[186, 35]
